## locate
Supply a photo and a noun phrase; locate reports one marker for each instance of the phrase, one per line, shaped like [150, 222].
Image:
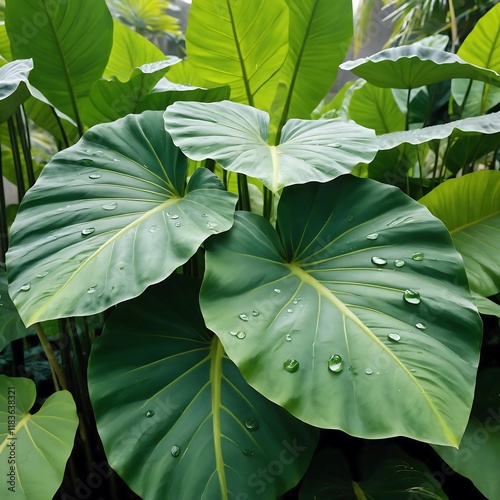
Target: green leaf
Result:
[39, 443]
[130, 50]
[69, 42]
[363, 272]
[166, 93]
[236, 136]
[237, 43]
[386, 473]
[79, 250]
[412, 66]
[480, 446]
[470, 208]
[176, 418]
[113, 99]
[469, 149]
[4, 45]
[486, 306]
[13, 86]
[376, 108]
[11, 325]
[482, 48]
[319, 39]
[489, 124]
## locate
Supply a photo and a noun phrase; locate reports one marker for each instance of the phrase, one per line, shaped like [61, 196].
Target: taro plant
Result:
[268, 284]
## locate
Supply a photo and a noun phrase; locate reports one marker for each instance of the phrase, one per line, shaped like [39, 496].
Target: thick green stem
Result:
[244, 199]
[268, 203]
[4, 237]
[50, 355]
[407, 117]
[61, 128]
[24, 136]
[18, 166]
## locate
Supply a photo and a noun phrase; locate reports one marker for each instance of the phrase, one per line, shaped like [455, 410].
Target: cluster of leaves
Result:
[272, 271]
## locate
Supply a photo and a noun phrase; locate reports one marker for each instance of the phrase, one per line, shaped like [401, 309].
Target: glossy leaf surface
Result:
[78, 250]
[176, 417]
[358, 301]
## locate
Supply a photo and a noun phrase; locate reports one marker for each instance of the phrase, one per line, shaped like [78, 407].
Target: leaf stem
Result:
[24, 136]
[16, 156]
[54, 365]
[268, 203]
[244, 199]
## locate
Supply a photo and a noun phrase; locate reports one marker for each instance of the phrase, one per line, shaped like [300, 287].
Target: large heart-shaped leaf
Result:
[319, 39]
[236, 136]
[11, 326]
[481, 47]
[480, 447]
[357, 317]
[113, 99]
[412, 66]
[237, 43]
[69, 42]
[386, 473]
[13, 86]
[176, 417]
[78, 250]
[487, 125]
[470, 208]
[34, 448]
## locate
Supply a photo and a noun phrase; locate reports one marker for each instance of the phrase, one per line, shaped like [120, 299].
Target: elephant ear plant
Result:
[235, 334]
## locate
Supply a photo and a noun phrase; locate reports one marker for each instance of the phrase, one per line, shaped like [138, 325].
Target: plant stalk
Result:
[54, 365]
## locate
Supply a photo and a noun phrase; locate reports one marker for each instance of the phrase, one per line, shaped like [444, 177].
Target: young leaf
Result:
[124, 194]
[41, 442]
[363, 289]
[470, 208]
[14, 86]
[236, 136]
[412, 66]
[176, 418]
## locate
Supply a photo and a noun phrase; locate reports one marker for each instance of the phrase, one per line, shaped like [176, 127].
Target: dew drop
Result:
[91, 290]
[413, 370]
[248, 453]
[296, 301]
[289, 311]
[368, 371]
[149, 413]
[204, 215]
[291, 365]
[25, 288]
[177, 224]
[110, 206]
[42, 275]
[252, 424]
[174, 216]
[350, 218]
[86, 162]
[277, 290]
[418, 256]
[399, 262]
[243, 317]
[379, 261]
[153, 229]
[255, 313]
[95, 176]
[233, 333]
[395, 337]
[400, 220]
[372, 236]
[88, 230]
[288, 337]
[211, 225]
[241, 335]
[335, 363]
[175, 451]
[411, 297]
[421, 326]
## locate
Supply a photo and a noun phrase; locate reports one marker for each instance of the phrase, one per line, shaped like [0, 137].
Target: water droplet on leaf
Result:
[421, 326]
[395, 337]
[291, 365]
[252, 424]
[25, 288]
[175, 451]
[177, 224]
[399, 262]
[88, 230]
[411, 297]
[174, 216]
[92, 289]
[335, 363]
[110, 206]
[42, 275]
[350, 218]
[289, 311]
[204, 215]
[372, 236]
[288, 337]
[255, 313]
[87, 162]
[241, 335]
[95, 176]
[153, 229]
[243, 317]
[379, 261]
[368, 371]
[248, 453]
[277, 290]
[418, 256]
[149, 413]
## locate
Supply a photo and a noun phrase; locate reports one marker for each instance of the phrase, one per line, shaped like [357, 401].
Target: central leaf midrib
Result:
[345, 311]
[216, 355]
